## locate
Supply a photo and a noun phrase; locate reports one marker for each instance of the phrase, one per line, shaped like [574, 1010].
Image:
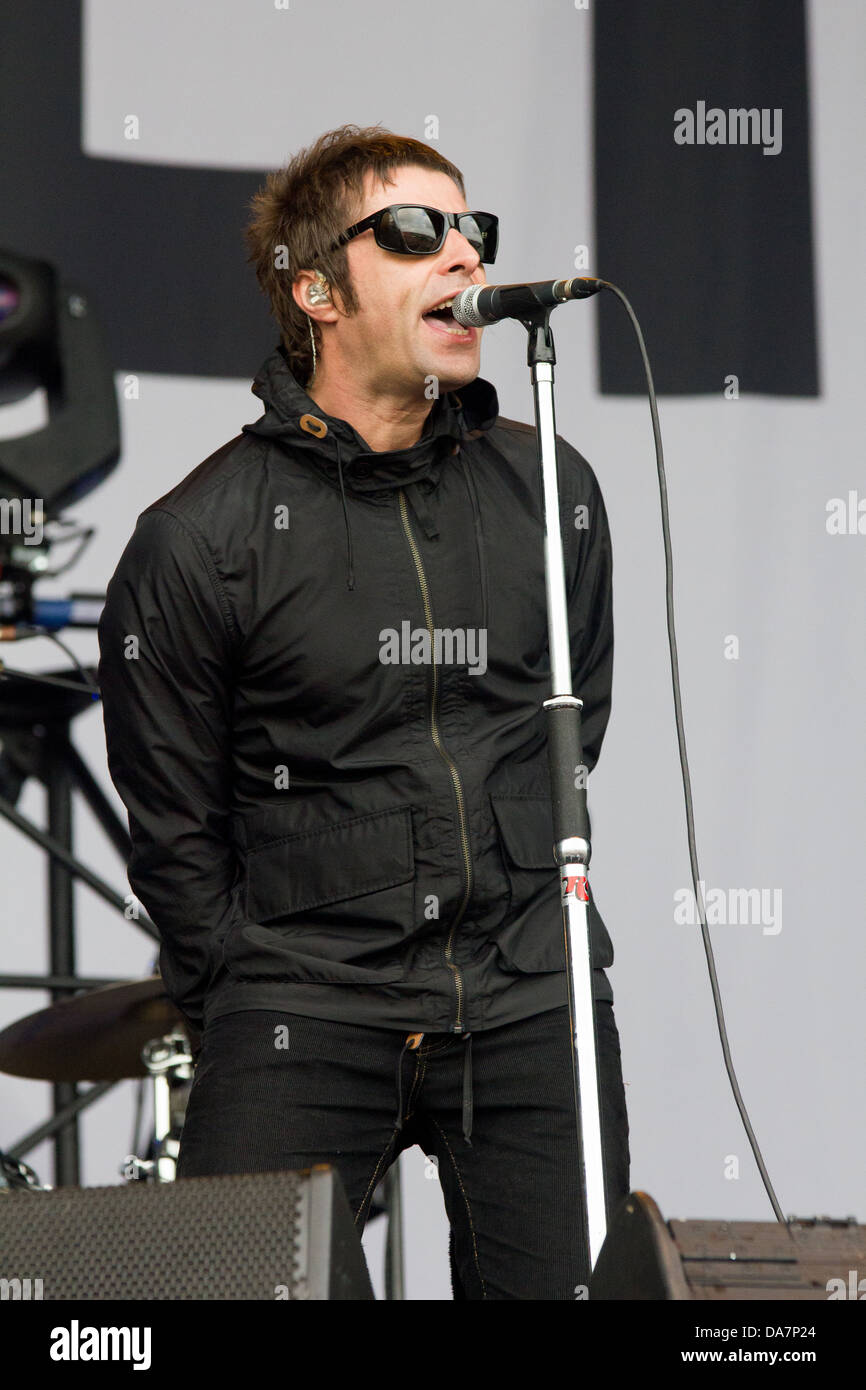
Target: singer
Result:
[348, 857]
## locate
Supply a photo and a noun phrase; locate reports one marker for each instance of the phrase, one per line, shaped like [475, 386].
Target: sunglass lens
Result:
[471, 229]
[388, 233]
[420, 228]
[487, 235]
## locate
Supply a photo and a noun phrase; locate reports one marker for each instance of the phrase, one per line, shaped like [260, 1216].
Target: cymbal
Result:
[97, 1036]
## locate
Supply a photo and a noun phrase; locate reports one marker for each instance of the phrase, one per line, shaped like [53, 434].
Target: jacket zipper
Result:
[456, 783]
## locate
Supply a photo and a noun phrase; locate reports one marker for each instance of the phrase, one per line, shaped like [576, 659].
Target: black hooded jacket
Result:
[322, 671]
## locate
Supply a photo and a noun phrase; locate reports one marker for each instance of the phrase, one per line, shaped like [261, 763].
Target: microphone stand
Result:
[568, 795]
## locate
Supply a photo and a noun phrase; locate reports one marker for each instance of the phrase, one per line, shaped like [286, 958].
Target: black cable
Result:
[85, 535]
[42, 678]
[46, 632]
[25, 630]
[684, 762]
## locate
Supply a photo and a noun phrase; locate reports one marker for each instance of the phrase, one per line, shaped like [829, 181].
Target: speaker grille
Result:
[244, 1236]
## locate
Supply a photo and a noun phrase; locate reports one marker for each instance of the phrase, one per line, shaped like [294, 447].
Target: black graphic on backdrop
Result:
[711, 242]
[159, 248]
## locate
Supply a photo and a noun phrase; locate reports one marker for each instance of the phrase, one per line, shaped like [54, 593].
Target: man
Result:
[323, 657]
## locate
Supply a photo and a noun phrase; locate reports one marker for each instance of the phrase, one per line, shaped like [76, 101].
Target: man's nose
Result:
[458, 253]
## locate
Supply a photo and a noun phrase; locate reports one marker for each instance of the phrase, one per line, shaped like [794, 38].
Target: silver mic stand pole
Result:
[568, 794]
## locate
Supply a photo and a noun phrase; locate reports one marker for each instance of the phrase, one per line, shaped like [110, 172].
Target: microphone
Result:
[483, 304]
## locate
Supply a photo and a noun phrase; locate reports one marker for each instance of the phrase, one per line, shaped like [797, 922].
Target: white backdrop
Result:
[775, 736]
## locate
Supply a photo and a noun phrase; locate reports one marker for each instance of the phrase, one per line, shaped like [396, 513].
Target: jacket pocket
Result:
[332, 903]
[335, 863]
[532, 941]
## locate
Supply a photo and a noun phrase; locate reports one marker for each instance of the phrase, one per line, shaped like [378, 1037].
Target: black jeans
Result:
[276, 1091]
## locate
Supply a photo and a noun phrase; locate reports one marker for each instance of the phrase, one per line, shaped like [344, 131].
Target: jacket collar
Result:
[334, 447]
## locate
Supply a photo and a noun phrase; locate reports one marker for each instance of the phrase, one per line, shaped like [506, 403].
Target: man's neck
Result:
[385, 422]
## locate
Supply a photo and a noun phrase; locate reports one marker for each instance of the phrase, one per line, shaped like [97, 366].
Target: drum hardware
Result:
[168, 1061]
[108, 1035]
[36, 715]
[16, 1176]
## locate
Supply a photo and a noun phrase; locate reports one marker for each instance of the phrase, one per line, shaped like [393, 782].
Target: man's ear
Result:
[312, 293]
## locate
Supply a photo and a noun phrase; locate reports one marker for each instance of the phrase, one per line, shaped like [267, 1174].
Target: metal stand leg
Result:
[58, 782]
[394, 1281]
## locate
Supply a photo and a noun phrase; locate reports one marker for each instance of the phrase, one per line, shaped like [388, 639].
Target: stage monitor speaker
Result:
[240, 1236]
[646, 1258]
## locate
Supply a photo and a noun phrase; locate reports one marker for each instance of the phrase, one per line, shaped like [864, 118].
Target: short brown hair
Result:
[305, 206]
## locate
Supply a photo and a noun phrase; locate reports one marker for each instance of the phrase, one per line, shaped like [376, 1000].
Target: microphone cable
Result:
[684, 761]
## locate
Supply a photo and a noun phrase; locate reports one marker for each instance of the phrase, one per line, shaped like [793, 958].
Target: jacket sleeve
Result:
[590, 604]
[590, 612]
[165, 670]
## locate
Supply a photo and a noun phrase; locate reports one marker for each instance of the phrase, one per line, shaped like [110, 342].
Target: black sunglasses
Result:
[411, 230]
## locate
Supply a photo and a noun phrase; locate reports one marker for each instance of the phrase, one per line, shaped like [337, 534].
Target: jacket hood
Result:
[340, 454]
[293, 418]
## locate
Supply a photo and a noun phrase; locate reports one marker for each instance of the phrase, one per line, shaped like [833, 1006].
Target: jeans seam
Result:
[466, 1203]
[372, 1181]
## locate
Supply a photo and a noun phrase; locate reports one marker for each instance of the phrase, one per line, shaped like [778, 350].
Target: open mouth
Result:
[441, 318]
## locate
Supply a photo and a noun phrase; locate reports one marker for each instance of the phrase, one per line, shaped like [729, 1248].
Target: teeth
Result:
[456, 330]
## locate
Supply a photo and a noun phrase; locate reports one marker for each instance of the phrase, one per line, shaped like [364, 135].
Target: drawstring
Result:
[350, 572]
[479, 535]
[467, 1087]
[412, 1043]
